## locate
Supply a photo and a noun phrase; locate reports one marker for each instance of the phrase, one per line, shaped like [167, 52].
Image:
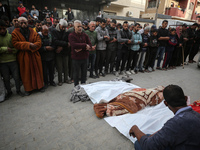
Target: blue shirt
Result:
[182, 132]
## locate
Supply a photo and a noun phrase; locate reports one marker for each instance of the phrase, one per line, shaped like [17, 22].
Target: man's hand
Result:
[10, 50]
[129, 42]
[33, 46]
[135, 132]
[59, 49]
[93, 48]
[105, 37]
[78, 50]
[132, 131]
[145, 45]
[180, 45]
[185, 39]
[49, 48]
[88, 47]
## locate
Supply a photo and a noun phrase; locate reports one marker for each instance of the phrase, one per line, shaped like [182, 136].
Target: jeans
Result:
[160, 53]
[122, 55]
[100, 58]
[48, 71]
[132, 61]
[91, 61]
[168, 57]
[62, 66]
[79, 66]
[141, 60]
[6, 69]
[110, 60]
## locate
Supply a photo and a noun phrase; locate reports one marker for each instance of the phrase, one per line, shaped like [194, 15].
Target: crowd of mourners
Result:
[32, 51]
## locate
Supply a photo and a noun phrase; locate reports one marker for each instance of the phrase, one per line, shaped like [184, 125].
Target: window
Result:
[110, 13]
[191, 6]
[152, 3]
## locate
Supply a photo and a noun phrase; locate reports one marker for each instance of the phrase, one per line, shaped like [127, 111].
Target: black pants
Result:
[79, 66]
[48, 71]
[6, 69]
[122, 55]
[110, 60]
[176, 57]
[194, 51]
[132, 61]
[168, 57]
[91, 62]
[152, 57]
[100, 59]
[146, 60]
[187, 50]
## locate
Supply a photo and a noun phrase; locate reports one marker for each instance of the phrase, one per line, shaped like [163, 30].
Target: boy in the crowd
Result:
[170, 48]
[153, 48]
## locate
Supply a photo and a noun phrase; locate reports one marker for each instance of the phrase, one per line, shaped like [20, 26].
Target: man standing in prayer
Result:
[28, 42]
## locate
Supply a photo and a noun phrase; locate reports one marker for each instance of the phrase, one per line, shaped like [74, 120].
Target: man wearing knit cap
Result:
[60, 40]
[28, 42]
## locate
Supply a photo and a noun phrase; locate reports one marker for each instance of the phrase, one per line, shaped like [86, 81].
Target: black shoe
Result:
[42, 90]
[20, 93]
[53, 84]
[92, 76]
[8, 95]
[26, 93]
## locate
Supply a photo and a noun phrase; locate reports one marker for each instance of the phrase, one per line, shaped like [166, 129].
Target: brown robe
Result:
[29, 60]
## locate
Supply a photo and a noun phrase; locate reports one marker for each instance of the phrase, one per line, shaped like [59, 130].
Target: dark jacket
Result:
[79, 41]
[123, 37]
[163, 33]
[145, 39]
[70, 15]
[191, 36]
[113, 34]
[153, 41]
[45, 54]
[55, 14]
[46, 13]
[60, 38]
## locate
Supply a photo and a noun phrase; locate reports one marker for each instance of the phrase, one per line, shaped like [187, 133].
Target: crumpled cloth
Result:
[79, 94]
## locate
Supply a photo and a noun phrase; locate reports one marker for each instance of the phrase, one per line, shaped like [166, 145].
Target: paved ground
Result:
[45, 121]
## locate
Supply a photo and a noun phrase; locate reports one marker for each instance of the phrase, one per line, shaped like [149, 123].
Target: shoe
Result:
[53, 84]
[8, 95]
[136, 71]
[141, 71]
[150, 69]
[20, 93]
[68, 82]
[158, 68]
[153, 69]
[92, 76]
[132, 72]
[60, 83]
[190, 61]
[165, 69]
[27, 93]
[123, 73]
[146, 70]
[42, 90]
[185, 63]
[117, 74]
[102, 74]
[128, 72]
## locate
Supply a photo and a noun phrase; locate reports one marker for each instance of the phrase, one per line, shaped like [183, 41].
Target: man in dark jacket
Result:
[179, 133]
[70, 14]
[55, 13]
[46, 13]
[48, 56]
[80, 47]
[111, 46]
[60, 39]
[124, 38]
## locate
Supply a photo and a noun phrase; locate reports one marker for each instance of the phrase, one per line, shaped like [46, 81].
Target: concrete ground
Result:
[48, 121]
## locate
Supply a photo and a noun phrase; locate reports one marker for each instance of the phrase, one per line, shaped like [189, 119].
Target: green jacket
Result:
[93, 39]
[5, 42]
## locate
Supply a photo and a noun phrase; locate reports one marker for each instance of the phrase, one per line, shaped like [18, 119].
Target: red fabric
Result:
[196, 106]
[21, 10]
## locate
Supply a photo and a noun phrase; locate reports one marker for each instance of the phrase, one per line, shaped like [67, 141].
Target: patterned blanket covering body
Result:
[130, 102]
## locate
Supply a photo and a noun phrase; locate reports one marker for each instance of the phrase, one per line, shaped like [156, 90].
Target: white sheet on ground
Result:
[149, 120]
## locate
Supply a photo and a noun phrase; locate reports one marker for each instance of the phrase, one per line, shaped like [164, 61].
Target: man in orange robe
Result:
[28, 42]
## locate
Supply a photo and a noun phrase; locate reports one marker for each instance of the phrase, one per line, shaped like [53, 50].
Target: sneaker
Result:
[60, 83]
[132, 72]
[42, 90]
[68, 82]
[158, 68]
[185, 63]
[27, 93]
[150, 69]
[146, 70]
[102, 74]
[122, 73]
[128, 72]
[117, 74]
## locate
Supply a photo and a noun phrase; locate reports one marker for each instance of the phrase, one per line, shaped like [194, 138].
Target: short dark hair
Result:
[37, 21]
[125, 22]
[165, 21]
[174, 96]
[154, 30]
[114, 21]
[184, 25]
[137, 24]
[173, 29]
[196, 24]
[98, 19]
[2, 23]
[103, 21]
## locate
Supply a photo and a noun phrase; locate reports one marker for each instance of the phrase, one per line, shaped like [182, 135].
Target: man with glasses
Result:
[28, 42]
[15, 25]
[60, 40]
